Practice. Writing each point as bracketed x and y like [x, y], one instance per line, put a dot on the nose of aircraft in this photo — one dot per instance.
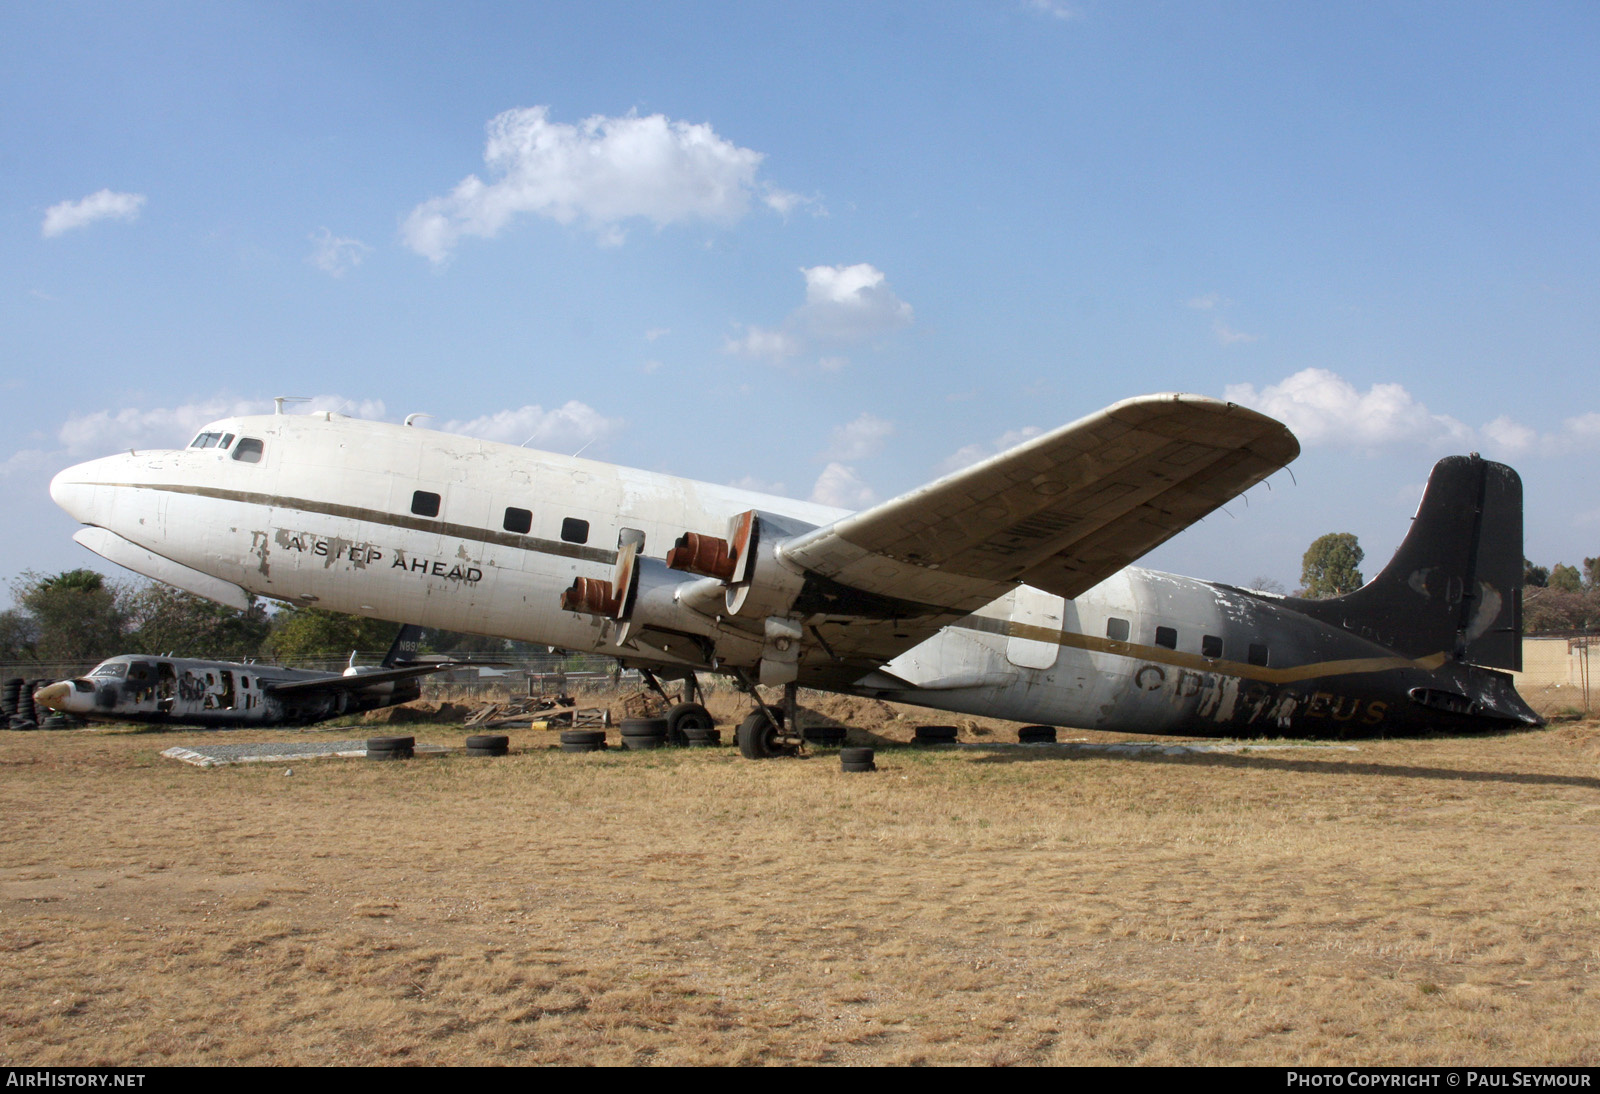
[53, 696]
[73, 490]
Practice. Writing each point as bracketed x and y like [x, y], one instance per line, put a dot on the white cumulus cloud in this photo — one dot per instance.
[844, 304]
[100, 205]
[335, 255]
[601, 172]
[967, 455]
[568, 428]
[859, 439]
[104, 431]
[840, 486]
[1322, 407]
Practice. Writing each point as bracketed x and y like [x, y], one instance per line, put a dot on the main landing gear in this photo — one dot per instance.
[685, 713]
[770, 731]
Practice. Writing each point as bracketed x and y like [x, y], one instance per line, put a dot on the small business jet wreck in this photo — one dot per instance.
[1004, 589]
[223, 695]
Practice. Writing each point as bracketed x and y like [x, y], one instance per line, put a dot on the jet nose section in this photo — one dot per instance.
[53, 696]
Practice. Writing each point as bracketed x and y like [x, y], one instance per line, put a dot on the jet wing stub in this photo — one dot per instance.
[334, 684]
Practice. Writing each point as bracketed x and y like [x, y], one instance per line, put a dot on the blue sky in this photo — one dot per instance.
[832, 250]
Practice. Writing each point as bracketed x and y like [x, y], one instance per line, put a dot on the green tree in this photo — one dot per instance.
[1535, 576]
[168, 620]
[299, 633]
[77, 615]
[1330, 566]
[1591, 573]
[1566, 578]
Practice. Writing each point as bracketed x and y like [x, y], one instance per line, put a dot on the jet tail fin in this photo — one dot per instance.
[405, 645]
[1455, 584]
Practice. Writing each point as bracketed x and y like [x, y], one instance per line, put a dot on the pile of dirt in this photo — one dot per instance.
[433, 711]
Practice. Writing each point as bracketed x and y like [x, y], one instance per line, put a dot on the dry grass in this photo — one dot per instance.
[1415, 902]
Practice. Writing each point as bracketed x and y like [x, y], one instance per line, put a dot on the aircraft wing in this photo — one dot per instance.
[333, 684]
[1060, 512]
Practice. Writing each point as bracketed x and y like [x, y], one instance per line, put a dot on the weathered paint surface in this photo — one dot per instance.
[469, 535]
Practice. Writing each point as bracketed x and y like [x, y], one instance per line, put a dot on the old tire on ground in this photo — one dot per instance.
[758, 739]
[488, 744]
[935, 735]
[642, 733]
[1033, 735]
[695, 737]
[825, 735]
[391, 748]
[583, 740]
[856, 759]
[687, 716]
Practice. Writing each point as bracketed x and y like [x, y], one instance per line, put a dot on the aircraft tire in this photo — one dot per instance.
[857, 759]
[1033, 735]
[695, 737]
[687, 716]
[758, 740]
[583, 740]
[488, 744]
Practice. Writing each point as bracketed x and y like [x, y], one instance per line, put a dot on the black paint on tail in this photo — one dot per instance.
[1455, 584]
[404, 650]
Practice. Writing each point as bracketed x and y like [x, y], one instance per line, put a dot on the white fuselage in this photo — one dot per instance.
[469, 535]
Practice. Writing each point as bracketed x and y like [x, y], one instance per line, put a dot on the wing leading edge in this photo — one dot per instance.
[1061, 512]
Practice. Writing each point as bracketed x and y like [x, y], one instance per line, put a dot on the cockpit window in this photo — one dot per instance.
[248, 450]
[227, 439]
[116, 669]
[206, 440]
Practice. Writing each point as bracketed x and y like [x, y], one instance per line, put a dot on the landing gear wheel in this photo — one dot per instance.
[684, 717]
[758, 737]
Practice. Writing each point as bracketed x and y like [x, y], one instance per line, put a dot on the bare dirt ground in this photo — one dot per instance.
[1412, 902]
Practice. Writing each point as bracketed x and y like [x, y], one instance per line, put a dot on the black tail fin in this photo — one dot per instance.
[1455, 584]
[405, 646]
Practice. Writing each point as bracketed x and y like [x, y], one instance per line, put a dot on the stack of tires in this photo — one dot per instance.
[640, 734]
[488, 744]
[583, 740]
[935, 735]
[391, 748]
[857, 759]
[8, 700]
[26, 717]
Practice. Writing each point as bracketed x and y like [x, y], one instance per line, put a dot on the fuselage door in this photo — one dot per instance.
[1034, 611]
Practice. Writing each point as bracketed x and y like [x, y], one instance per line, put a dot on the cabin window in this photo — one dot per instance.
[1258, 654]
[574, 530]
[518, 521]
[1167, 638]
[630, 535]
[424, 504]
[1117, 629]
[248, 450]
[1210, 646]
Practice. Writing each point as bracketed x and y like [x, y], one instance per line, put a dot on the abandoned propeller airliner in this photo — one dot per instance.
[1005, 588]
